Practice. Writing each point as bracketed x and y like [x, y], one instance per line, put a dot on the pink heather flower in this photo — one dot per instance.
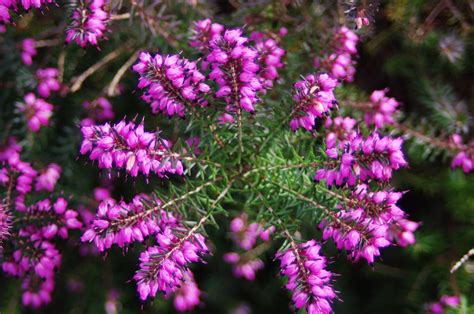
[36, 295]
[37, 112]
[269, 60]
[243, 267]
[5, 224]
[28, 50]
[47, 81]
[363, 159]
[345, 40]
[381, 109]
[234, 69]
[314, 97]
[203, 32]
[307, 277]
[46, 181]
[7, 5]
[245, 235]
[465, 157]
[121, 223]
[369, 221]
[173, 84]
[164, 267]
[446, 302]
[89, 22]
[98, 110]
[186, 298]
[128, 146]
[342, 66]
[102, 194]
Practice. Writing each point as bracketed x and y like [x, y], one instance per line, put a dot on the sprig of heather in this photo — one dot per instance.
[37, 111]
[113, 225]
[368, 221]
[314, 98]
[234, 69]
[173, 84]
[308, 279]
[127, 145]
[363, 159]
[163, 267]
[28, 51]
[88, 23]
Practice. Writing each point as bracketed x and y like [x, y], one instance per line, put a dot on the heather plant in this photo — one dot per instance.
[146, 143]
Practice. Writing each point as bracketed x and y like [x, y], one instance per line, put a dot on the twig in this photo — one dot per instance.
[112, 89]
[124, 16]
[77, 81]
[462, 261]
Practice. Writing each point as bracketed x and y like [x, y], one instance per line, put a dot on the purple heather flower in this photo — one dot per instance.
[381, 109]
[89, 23]
[37, 112]
[28, 50]
[47, 81]
[127, 145]
[314, 98]
[186, 298]
[203, 32]
[47, 179]
[235, 70]
[308, 279]
[173, 84]
[465, 157]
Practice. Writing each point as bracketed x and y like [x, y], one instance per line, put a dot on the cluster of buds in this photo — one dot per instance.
[29, 251]
[314, 98]
[88, 23]
[203, 32]
[37, 111]
[127, 145]
[173, 84]
[245, 235]
[308, 279]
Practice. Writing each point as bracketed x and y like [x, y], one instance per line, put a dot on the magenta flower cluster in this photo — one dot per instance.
[173, 84]
[234, 67]
[128, 146]
[314, 98]
[381, 109]
[6, 6]
[28, 51]
[37, 112]
[186, 297]
[444, 304]
[362, 159]
[32, 227]
[203, 32]
[270, 56]
[308, 279]
[47, 81]
[245, 235]
[368, 221]
[340, 61]
[88, 23]
[465, 154]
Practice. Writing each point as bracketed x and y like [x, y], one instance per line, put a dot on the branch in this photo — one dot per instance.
[77, 81]
[112, 89]
[462, 261]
